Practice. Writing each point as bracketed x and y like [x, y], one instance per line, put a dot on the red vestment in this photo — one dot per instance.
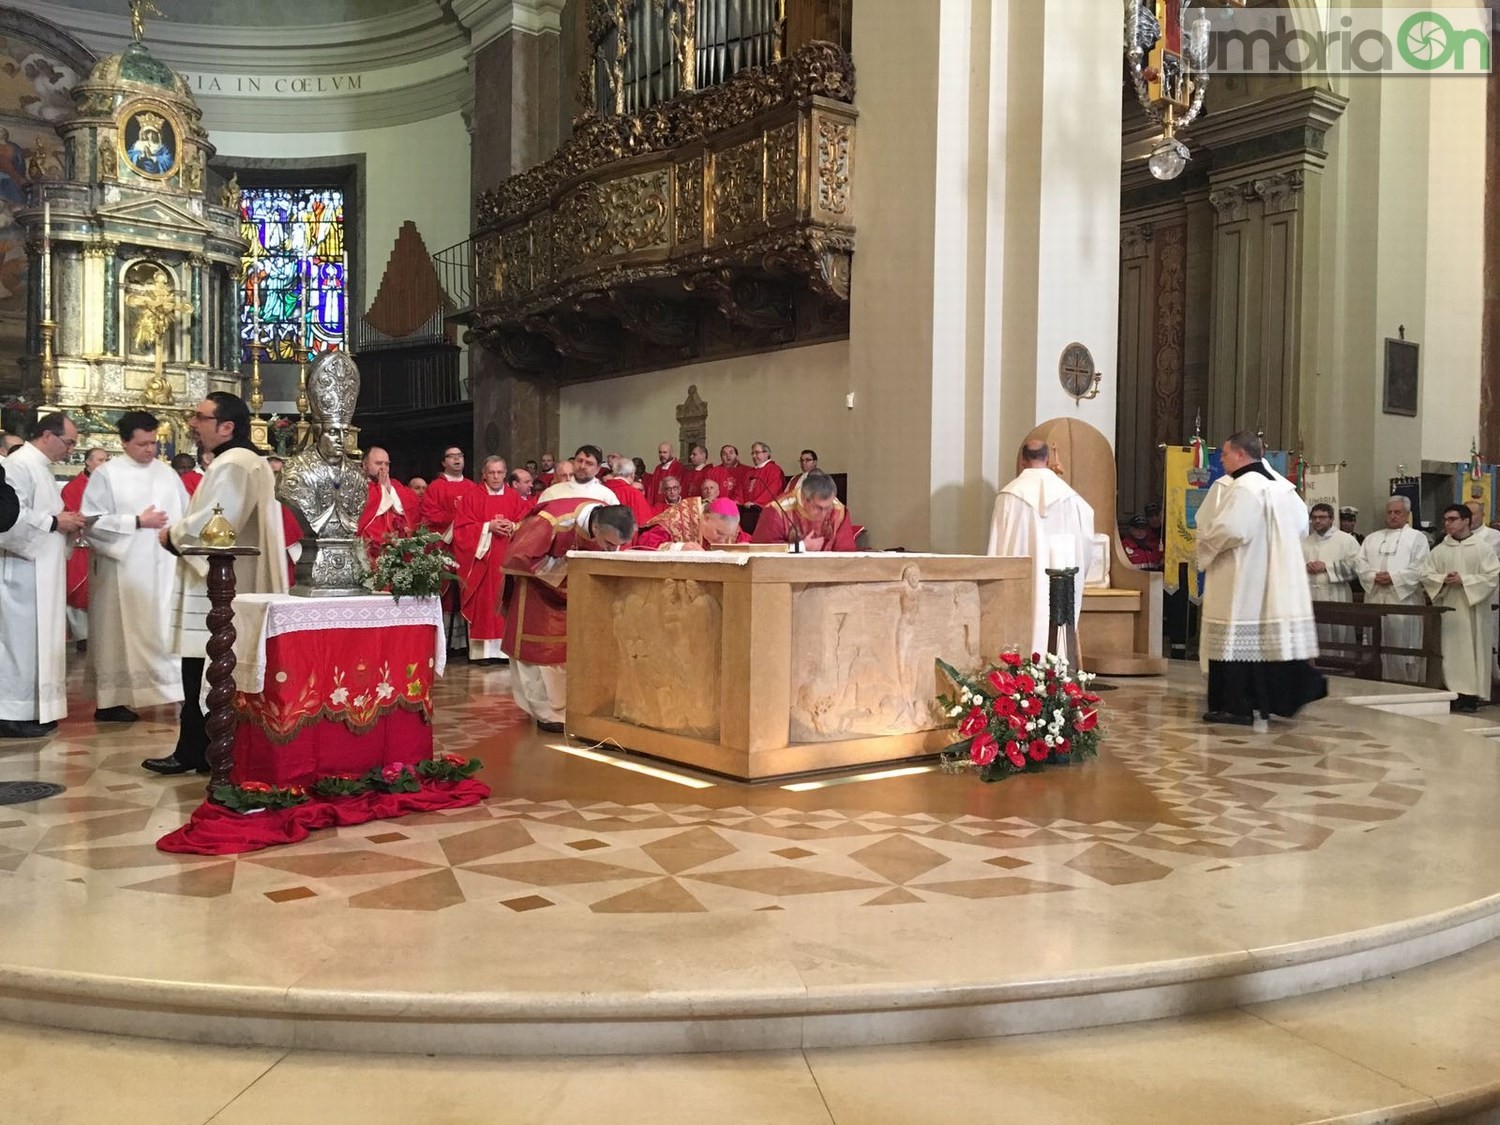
[542, 481]
[785, 521]
[191, 480]
[375, 525]
[439, 506]
[480, 553]
[632, 498]
[536, 605]
[672, 468]
[764, 484]
[692, 480]
[676, 523]
[291, 531]
[78, 561]
[731, 482]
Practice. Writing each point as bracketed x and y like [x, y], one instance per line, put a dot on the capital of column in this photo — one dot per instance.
[487, 20]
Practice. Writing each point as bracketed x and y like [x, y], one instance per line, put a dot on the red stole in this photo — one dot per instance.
[78, 561]
[483, 578]
[785, 522]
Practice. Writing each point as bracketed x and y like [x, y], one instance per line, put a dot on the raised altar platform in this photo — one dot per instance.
[761, 666]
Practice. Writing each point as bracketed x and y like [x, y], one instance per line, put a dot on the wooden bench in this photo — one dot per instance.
[1365, 652]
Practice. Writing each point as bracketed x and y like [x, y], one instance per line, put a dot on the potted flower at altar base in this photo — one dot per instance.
[418, 565]
[281, 431]
[1019, 716]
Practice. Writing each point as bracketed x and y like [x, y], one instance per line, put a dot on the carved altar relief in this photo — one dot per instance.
[862, 655]
[675, 688]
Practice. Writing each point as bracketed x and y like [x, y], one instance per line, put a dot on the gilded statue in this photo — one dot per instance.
[156, 308]
[229, 197]
[42, 161]
[139, 9]
[109, 161]
[158, 391]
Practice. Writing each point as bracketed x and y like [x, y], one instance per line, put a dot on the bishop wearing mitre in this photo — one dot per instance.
[390, 508]
[481, 536]
[1460, 575]
[131, 663]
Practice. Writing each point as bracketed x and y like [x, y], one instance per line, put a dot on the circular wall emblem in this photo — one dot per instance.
[1075, 370]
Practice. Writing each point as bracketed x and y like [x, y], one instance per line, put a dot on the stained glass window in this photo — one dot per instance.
[296, 270]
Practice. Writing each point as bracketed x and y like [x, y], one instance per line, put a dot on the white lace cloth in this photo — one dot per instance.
[259, 617]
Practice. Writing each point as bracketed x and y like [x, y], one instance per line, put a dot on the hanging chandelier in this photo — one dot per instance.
[1166, 52]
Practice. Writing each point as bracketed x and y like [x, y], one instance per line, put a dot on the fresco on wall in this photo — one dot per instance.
[35, 93]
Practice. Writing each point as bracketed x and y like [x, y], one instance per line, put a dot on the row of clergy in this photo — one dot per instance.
[1396, 566]
[761, 482]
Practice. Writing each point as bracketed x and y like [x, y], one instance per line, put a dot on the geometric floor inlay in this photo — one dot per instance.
[561, 833]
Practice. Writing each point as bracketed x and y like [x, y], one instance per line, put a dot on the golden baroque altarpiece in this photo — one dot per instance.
[715, 223]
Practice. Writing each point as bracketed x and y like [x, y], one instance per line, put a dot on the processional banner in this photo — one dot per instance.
[1470, 486]
[1320, 485]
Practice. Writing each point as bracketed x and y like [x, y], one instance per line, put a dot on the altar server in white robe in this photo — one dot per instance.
[1258, 635]
[131, 663]
[1331, 557]
[1390, 570]
[1461, 574]
[241, 482]
[1039, 516]
[33, 561]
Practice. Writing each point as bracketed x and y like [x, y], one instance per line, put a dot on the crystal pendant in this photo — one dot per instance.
[1168, 159]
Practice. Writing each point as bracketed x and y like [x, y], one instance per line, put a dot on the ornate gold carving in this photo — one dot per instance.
[816, 70]
[738, 186]
[687, 203]
[489, 270]
[781, 170]
[834, 139]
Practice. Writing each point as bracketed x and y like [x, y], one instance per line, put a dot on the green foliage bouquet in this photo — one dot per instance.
[418, 565]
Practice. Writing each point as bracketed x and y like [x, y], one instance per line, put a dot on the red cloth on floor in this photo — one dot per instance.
[215, 830]
[329, 747]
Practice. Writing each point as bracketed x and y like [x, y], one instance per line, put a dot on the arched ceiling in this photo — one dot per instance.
[262, 14]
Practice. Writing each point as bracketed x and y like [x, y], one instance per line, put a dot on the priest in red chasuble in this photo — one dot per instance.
[812, 517]
[481, 536]
[730, 474]
[390, 507]
[623, 484]
[695, 472]
[677, 522]
[78, 561]
[536, 605]
[764, 480]
[720, 524]
[438, 507]
[667, 465]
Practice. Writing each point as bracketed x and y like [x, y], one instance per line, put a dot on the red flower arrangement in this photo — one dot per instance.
[1019, 715]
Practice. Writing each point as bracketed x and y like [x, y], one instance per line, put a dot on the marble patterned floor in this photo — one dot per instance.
[1168, 796]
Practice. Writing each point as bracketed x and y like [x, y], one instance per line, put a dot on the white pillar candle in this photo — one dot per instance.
[47, 261]
[1063, 552]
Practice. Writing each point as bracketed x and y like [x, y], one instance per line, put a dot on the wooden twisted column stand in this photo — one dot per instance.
[220, 720]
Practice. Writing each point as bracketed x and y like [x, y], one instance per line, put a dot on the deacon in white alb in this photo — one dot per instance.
[33, 557]
[1390, 570]
[1461, 574]
[131, 663]
[1258, 636]
[1039, 516]
[1331, 557]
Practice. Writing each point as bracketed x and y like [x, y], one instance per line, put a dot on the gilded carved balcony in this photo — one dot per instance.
[713, 224]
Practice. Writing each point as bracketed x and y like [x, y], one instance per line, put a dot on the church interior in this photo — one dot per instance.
[743, 872]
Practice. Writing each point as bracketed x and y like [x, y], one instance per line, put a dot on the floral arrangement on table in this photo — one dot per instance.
[1020, 715]
[281, 431]
[418, 565]
[397, 777]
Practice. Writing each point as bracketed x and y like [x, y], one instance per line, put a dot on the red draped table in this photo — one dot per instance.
[328, 688]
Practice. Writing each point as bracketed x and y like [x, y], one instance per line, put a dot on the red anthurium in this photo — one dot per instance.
[1063, 746]
[1086, 721]
[1013, 752]
[1011, 658]
[983, 749]
[973, 723]
[1016, 723]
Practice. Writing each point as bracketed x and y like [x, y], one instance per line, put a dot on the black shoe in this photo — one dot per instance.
[25, 729]
[115, 715]
[170, 765]
[550, 728]
[1229, 718]
[81, 646]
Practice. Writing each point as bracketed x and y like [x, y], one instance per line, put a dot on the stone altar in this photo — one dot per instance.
[763, 666]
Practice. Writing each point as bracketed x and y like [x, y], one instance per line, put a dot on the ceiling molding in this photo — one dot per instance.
[422, 31]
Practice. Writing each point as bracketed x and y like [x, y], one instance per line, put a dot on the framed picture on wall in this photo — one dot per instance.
[1401, 377]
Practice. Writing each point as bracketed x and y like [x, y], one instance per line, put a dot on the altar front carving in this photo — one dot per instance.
[769, 665]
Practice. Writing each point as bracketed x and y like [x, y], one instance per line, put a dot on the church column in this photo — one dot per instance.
[95, 263]
[988, 224]
[515, 61]
[111, 298]
[68, 298]
[1489, 384]
[198, 268]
